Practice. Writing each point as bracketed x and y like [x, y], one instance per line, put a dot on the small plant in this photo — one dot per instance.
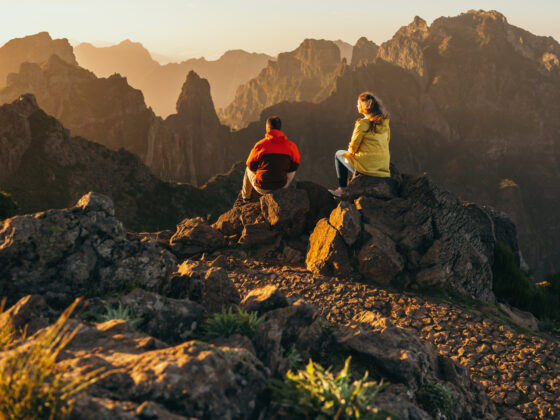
[294, 358]
[31, 385]
[7, 330]
[121, 312]
[315, 393]
[436, 399]
[231, 322]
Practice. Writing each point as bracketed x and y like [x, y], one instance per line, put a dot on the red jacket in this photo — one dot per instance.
[271, 159]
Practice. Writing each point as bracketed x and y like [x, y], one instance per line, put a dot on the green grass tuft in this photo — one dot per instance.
[120, 312]
[316, 393]
[231, 322]
[31, 385]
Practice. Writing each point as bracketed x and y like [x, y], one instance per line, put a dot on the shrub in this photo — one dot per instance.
[8, 206]
[294, 358]
[31, 385]
[121, 312]
[231, 322]
[437, 399]
[515, 287]
[315, 393]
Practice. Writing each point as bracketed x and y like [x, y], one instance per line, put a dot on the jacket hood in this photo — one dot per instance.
[275, 135]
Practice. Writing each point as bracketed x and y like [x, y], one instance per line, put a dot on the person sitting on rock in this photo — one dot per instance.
[368, 151]
[272, 163]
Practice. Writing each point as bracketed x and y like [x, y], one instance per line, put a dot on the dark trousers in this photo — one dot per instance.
[343, 168]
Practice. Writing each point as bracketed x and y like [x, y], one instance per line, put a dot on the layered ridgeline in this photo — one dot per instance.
[110, 112]
[472, 101]
[43, 167]
[161, 83]
[33, 49]
[305, 74]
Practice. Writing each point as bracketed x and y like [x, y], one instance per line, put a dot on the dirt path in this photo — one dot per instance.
[520, 371]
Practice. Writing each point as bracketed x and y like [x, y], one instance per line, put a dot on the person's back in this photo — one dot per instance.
[369, 148]
[272, 163]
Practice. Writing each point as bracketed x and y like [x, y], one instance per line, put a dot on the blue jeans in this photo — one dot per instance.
[343, 168]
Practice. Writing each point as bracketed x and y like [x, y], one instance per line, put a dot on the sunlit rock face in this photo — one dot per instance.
[305, 74]
[32, 49]
[473, 101]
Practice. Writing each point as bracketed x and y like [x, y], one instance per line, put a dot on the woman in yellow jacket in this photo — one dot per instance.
[368, 151]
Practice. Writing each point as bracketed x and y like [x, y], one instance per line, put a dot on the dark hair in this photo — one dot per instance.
[274, 122]
[374, 108]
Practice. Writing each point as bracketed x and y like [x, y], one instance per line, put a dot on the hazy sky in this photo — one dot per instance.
[193, 28]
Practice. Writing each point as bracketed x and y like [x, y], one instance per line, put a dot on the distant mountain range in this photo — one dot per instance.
[161, 83]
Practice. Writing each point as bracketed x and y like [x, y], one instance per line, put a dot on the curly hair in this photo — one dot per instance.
[374, 108]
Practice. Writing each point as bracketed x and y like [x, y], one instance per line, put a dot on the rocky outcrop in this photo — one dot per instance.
[421, 236]
[364, 52]
[452, 90]
[63, 254]
[190, 146]
[32, 49]
[43, 167]
[305, 74]
[204, 141]
[160, 83]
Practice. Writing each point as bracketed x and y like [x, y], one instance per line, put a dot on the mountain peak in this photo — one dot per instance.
[195, 97]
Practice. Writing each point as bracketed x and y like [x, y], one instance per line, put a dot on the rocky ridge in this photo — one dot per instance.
[305, 74]
[490, 367]
[43, 167]
[32, 49]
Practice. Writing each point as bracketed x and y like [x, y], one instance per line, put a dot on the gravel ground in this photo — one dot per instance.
[520, 370]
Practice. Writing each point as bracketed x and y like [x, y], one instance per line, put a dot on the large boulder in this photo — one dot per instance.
[209, 286]
[83, 250]
[379, 260]
[328, 254]
[297, 327]
[192, 380]
[264, 299]
[348, 221]
[195, 236]
[286, 210]
[170, 320]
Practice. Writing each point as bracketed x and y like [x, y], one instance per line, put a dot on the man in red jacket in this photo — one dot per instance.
[272, 163]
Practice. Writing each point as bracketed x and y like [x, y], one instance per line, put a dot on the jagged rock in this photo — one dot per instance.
[32, 49]
[43, 167]
[368, 186]
[167, 319]
[232, 221]
[193, 379]
[257, 234]
[236, 341]
[162, 238]
[297, 326]
[209, 286]
[286, 210]
[83, 250]
[307, 72]
[29, 314]
[195, 236]
[364, 52]
[264, 299]
[379, 260]
[347, 220]
[395, 352]
[328, 254]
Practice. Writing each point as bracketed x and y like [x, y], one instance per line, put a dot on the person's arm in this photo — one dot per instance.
[357, 137]
[295, 158]
[253, 159]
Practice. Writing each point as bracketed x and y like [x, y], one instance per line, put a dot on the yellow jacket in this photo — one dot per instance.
[369, 149]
